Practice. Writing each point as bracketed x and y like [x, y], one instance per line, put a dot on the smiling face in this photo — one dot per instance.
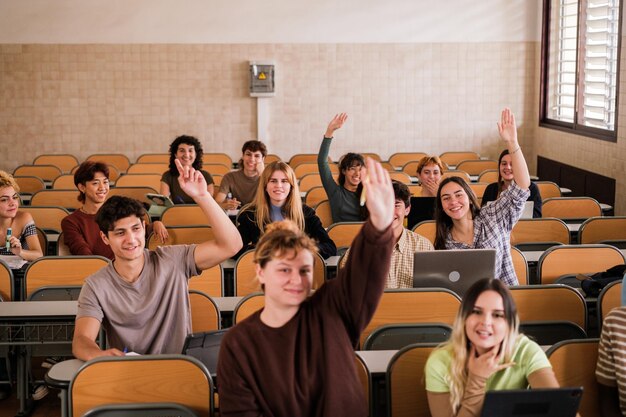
[186, 154]
[250, 160]
[96, 190]
[506, 168]
[486, 325]
[127, 239]
[287, 279]
[278, 188]
[400, 211]
[454, 201]
[353, 176]
[9, 202]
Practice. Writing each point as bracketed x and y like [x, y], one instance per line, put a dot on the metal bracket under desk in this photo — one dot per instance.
[27, 324]
[36, 333]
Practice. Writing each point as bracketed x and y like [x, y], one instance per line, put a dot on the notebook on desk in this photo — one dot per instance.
[552, 402]
[456, 269]
[527, 212]
[422, 208]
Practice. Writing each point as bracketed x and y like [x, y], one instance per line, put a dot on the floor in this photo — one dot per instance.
[50, 406]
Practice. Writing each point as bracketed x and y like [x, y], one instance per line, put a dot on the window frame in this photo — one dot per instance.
[574, 127]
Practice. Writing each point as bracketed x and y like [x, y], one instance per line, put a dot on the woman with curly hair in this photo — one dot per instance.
[188, 150]
[22, 241]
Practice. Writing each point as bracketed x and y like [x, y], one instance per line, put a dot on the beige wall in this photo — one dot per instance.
[85, 99]
[418, 75]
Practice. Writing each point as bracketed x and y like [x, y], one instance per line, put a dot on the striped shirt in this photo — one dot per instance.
[492, 230]
[611, 366]
[401, 269]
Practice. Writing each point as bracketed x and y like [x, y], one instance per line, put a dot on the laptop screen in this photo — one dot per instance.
[456, 270]
[550, 402]
[422, 208]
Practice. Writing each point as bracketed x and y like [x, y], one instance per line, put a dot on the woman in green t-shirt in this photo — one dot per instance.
[485, 352]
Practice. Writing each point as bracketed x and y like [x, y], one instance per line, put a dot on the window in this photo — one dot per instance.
[580, 55]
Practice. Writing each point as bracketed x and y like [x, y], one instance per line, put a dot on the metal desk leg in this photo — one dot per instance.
[26, 404]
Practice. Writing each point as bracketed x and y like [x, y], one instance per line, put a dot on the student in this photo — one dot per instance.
[238, 187]
[429, 170]
[295, 357]
[278, 198]
[505, 178]
[81, 233]
[484, 353]
[188, 150]
[407, 242]
[23, 240]
[461, 224]
[611, 366]
[141, 297]
[343, 197]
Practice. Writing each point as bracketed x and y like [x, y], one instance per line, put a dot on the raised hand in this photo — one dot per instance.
[379, 194]
[486, 364]
[191, 181]
[507, 128]
[335, 124]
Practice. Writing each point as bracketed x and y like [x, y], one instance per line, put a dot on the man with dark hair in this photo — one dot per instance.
[407, 242]
[141, 297]
[239, 187]
[80, 231]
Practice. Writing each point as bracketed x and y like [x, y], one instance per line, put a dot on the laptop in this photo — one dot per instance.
[552, 402]
[422, 208]
[455, 269]
[527, 211]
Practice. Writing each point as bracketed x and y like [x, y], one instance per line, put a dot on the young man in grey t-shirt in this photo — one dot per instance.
[141, 298]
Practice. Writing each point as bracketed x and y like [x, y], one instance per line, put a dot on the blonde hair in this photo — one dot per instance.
[428, 160]
[459, 346]
[7, 180]
[292, 209]
[280, 238]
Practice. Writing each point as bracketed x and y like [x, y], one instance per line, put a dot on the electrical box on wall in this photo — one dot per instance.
[262, 79]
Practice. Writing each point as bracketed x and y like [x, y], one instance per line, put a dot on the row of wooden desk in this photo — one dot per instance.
[28, 323]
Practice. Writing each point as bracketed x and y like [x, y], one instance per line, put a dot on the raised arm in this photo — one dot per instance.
[508, 132]
[322, 157]
[359, 285]
[227, 240]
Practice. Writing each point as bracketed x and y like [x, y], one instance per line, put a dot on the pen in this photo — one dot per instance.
[125, 350]
[8, 242]
[363, 194]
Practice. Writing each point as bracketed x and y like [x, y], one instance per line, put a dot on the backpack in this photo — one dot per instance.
[593, 284]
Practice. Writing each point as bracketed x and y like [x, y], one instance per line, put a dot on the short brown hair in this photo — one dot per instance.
[428, 160]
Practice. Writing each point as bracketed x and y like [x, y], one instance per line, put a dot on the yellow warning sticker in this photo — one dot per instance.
[262, 76]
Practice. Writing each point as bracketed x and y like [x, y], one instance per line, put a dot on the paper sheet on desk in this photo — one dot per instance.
[13, 261]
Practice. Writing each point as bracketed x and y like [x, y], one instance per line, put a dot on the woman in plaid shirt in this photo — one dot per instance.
[462, 224]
